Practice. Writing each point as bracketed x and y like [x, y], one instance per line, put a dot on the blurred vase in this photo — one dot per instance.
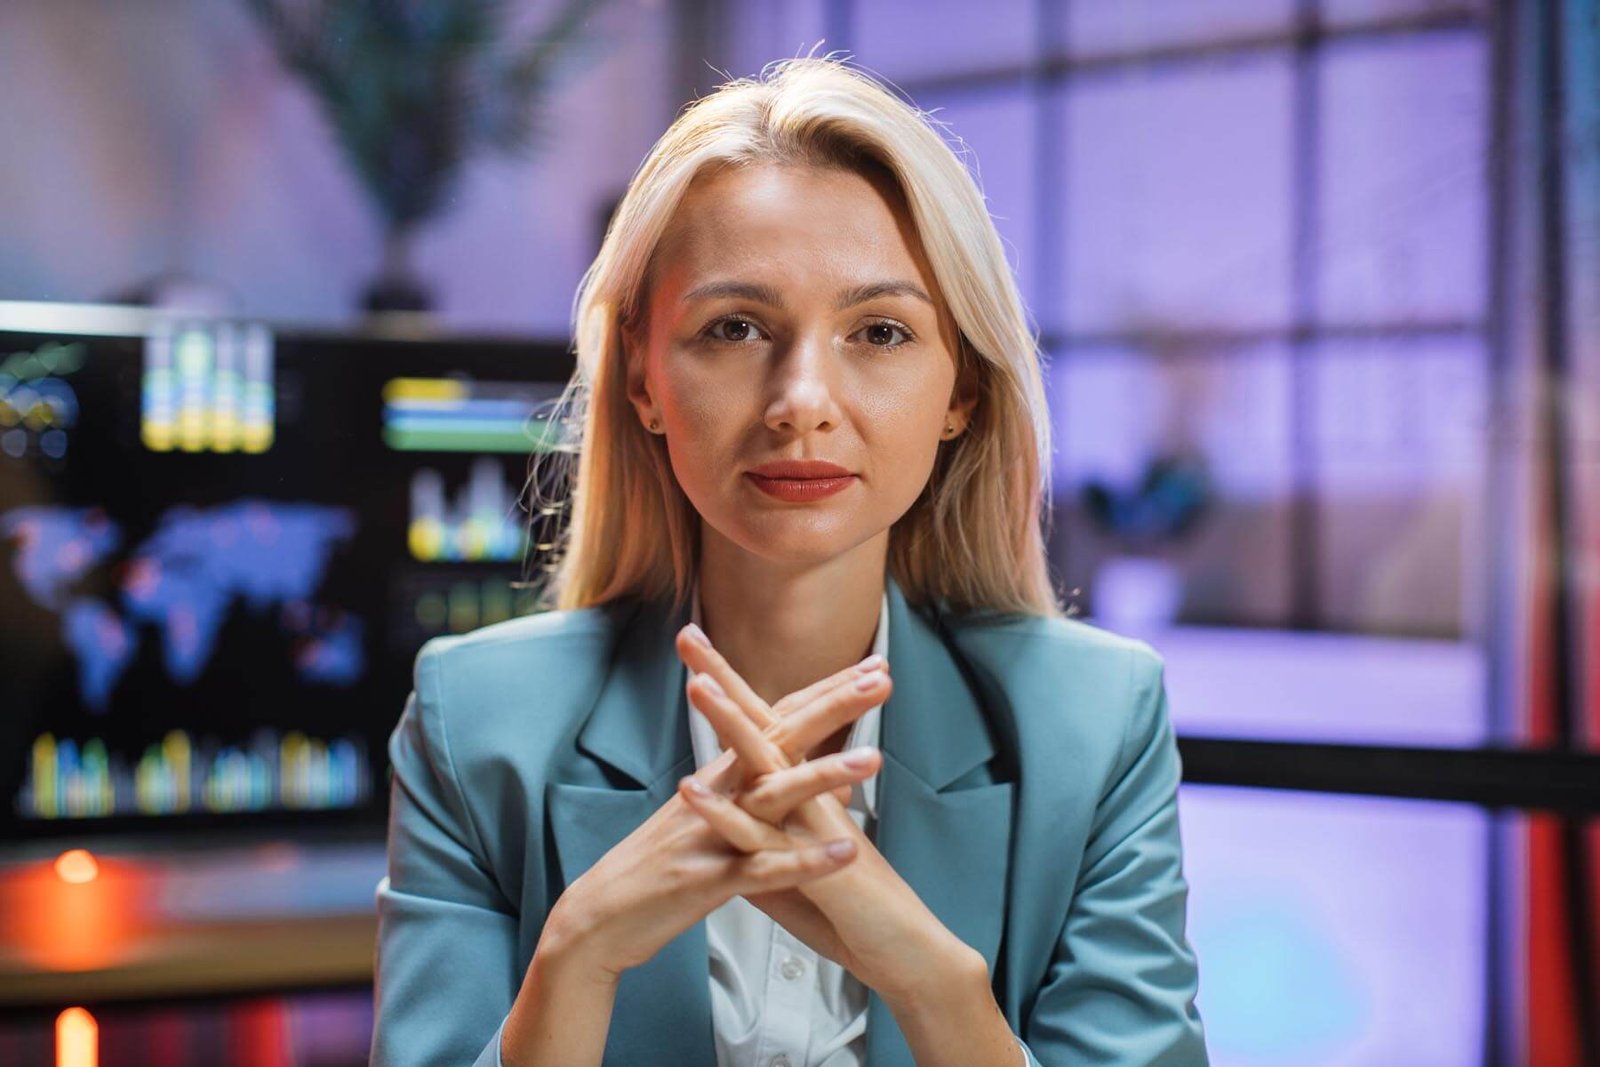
[1137, 593]
[397, 287]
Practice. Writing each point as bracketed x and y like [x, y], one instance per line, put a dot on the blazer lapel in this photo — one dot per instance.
[952, 848]
[639, 727]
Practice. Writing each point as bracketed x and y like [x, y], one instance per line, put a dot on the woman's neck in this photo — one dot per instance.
[784, 628]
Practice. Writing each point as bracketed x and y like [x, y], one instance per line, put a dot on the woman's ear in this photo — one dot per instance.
[637, 381]
[964, 397]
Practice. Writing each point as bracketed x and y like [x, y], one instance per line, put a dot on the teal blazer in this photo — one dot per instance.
[1028, 794]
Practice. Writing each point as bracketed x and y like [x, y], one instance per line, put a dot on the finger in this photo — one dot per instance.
[758, 754]
[801, 697]
[774, 796]
[725, 773]
[738, 827]
[703, 659]
[778, 869]
[801, 730]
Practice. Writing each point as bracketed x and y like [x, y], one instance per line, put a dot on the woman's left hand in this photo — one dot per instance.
[863, 917]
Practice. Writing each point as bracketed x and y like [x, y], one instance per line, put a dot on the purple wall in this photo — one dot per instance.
[163, 136]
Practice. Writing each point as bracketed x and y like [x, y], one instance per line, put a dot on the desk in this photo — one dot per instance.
[238, 920]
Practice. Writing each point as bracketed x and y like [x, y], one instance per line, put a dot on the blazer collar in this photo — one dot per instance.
[931, 723]
[640, 724]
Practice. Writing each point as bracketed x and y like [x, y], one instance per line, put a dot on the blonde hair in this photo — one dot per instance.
[974, 538]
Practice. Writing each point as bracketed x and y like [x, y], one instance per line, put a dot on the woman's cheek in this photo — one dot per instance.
[707, 405]
[913, 464]
[705, 470]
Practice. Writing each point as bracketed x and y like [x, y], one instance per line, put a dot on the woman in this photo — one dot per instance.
[813, 424]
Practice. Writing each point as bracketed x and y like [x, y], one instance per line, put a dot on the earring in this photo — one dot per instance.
[949, 429]
[654, 425]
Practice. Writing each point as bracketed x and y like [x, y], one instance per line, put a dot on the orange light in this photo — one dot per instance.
[61, 926]
[77, 1039]
[77, 866]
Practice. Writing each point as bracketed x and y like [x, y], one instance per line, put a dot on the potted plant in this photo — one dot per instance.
[1139, 589]
[414, 89]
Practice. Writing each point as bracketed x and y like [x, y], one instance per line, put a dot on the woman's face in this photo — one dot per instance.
[793, 316]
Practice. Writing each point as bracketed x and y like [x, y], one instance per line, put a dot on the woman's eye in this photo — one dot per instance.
[881, 334]
[733, 330]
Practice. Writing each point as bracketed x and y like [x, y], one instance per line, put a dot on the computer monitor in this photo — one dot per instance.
[222, 543]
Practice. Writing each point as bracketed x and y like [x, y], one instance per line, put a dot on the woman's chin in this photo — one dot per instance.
[797, 543]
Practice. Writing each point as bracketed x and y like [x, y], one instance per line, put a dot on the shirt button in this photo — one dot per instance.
[780, 1060]
[793, 968]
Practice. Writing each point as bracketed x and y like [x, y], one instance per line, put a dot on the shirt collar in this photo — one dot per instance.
[865, 731]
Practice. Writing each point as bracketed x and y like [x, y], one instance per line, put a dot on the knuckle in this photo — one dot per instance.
[830, 771]
[830, 777]
[775, 865]
[762, 789]
[751, 870]
[848, 700]
[677, 874]
[761, 810]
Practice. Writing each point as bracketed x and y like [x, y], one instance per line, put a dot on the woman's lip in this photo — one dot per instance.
[799, 490]
[801, 469]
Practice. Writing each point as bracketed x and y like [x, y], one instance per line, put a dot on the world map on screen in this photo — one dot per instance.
[196, 567]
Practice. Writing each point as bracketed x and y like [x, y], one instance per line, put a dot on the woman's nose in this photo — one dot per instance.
[803, 388]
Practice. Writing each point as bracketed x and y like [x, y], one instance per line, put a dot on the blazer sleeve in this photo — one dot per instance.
[446, 952]
[1121, 985]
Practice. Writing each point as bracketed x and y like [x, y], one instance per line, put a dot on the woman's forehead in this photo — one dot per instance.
[807, 223]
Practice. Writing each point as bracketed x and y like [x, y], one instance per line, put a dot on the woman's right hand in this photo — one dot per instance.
[675, 868]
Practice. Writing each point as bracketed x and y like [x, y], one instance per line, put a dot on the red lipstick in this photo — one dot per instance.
[800, 481]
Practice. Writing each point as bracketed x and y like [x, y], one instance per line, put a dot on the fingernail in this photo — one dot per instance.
[871, 663]
[711, 684]
[698, 636]
[858, 757]
[841, 848]
[696, 786]
[869, 681]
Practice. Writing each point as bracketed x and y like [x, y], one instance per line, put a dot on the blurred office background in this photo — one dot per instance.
[1318, 287]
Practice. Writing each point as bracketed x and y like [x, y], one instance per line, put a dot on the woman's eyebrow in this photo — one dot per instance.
[862, 293]
[765, 294]
[770, 296]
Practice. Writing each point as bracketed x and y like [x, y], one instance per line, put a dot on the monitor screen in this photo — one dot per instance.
[221, 545]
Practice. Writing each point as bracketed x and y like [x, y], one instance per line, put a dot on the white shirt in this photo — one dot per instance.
[775, 1002]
